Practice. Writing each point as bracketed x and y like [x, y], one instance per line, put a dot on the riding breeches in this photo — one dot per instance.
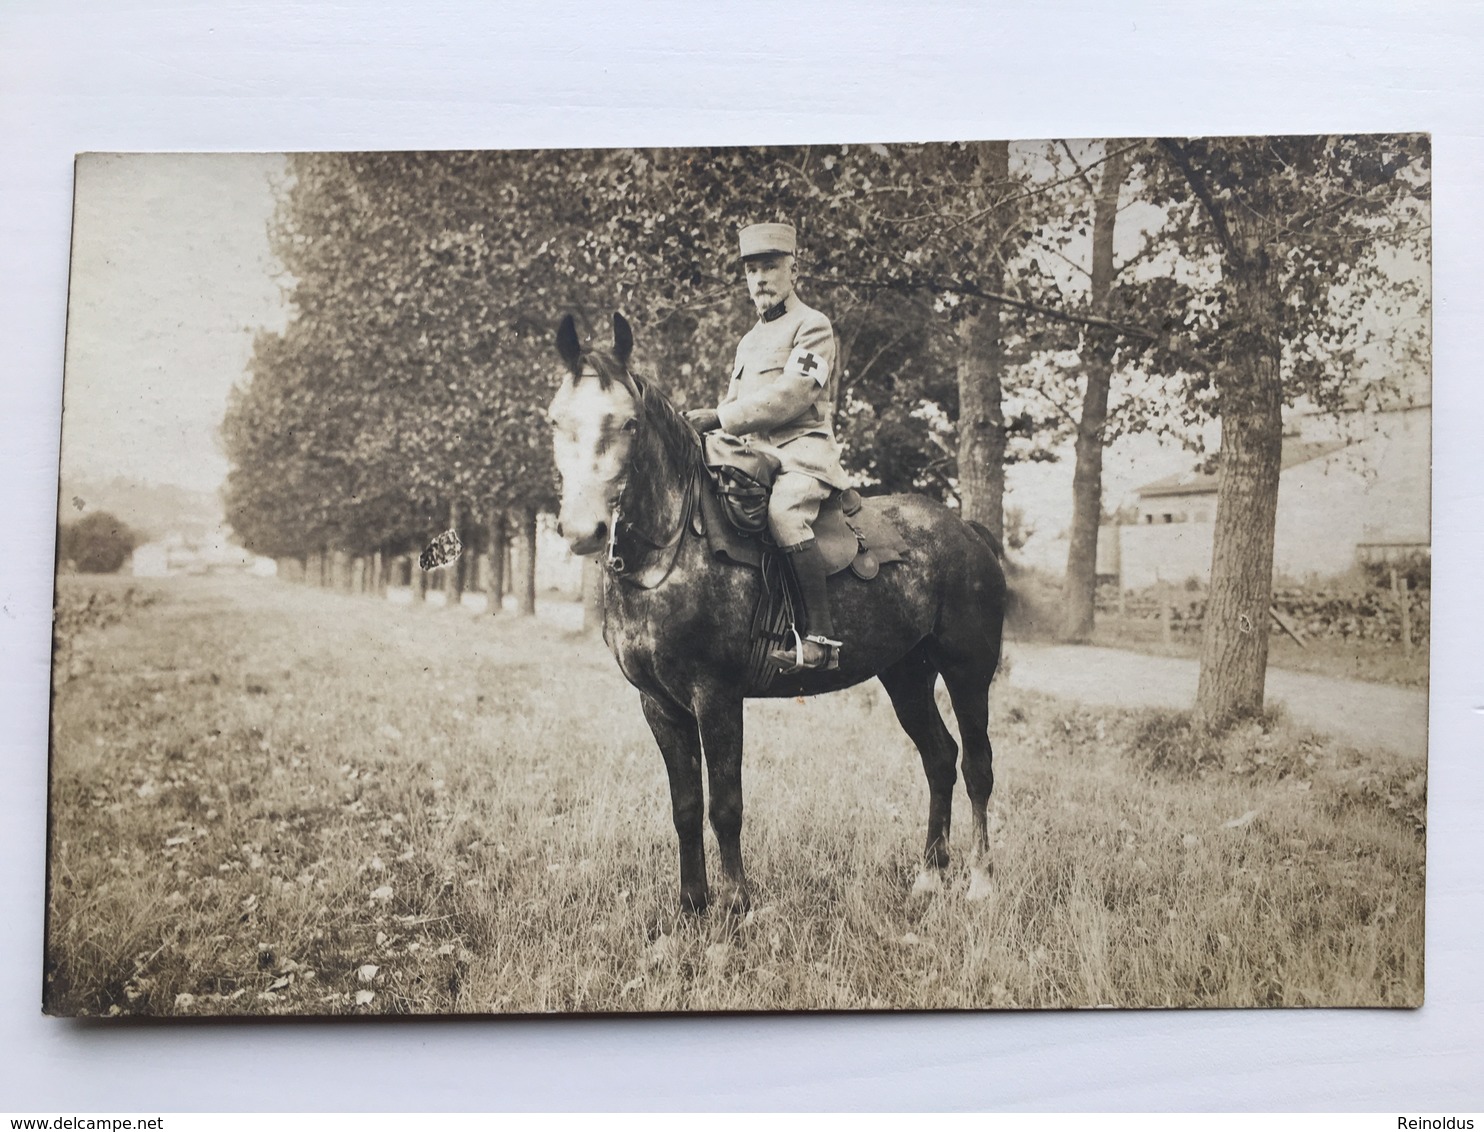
[793, 507]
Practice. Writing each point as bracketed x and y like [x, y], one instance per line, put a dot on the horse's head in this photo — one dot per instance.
[594, 417]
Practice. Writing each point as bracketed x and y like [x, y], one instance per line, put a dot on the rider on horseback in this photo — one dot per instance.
[781, 397]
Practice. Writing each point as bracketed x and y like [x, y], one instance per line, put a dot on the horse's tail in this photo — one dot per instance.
[989, 536]
[1018, 613]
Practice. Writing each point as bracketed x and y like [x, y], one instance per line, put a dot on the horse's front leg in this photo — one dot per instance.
[680, 744]
[719, 713]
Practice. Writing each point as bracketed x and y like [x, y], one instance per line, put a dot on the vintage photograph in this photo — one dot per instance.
[451, 543]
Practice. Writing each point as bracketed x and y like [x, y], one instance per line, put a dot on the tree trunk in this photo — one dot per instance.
[417, 578]
[1079, 593]
[981, 420]
[455, 569]
[1234, 644]
[526, 575]
[495, 582]
[981, 364]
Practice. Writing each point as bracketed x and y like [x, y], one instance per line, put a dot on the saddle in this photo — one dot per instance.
[732, 516]
[849, 531]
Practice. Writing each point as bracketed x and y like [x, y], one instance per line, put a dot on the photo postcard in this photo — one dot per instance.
[1034, 535]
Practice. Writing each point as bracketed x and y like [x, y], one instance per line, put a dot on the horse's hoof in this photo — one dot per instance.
[979, 884]
[736, 901]
[928, 882]
[693, 902]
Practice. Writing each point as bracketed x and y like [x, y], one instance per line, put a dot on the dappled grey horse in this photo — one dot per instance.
[679, 621]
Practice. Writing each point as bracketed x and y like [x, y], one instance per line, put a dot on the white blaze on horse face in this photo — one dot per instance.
[592, 433]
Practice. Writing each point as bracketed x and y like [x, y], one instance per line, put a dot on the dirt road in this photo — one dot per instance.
[1366, 715]
[1363, 714]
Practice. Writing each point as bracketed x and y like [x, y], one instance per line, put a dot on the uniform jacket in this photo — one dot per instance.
[782, 391]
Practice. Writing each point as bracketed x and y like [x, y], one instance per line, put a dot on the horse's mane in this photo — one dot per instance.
[671, 440]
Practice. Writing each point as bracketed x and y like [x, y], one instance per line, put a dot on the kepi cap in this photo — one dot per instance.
[767, 239]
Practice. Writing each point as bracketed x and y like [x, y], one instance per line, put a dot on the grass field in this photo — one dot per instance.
[268, 799]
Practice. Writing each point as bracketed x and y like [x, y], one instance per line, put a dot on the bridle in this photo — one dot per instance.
[644, 577]
[648, 575]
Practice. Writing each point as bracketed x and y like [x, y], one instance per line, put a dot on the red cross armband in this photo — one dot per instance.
[810, 364]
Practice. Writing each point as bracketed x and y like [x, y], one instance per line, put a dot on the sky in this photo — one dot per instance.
[171, 277]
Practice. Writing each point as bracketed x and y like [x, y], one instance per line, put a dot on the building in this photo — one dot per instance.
[1355, 486]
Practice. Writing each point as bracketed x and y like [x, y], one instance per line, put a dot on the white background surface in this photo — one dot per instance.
[167, 75]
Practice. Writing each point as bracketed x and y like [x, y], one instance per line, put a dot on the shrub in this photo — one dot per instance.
[1174, 745]
[96, 544]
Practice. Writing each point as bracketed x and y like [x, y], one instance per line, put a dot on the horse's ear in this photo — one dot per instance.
[568, 346]
[623, 338]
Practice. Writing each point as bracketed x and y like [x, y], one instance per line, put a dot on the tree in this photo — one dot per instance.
[1298, 237]
[409, 383]
[981, 361]
[1080, 588]
[98, 543]
[900, 245]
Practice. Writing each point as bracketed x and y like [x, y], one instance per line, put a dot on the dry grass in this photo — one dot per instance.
[273, 800]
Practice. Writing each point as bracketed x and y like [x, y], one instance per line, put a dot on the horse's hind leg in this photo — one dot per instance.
[910, 684]
[968, 688]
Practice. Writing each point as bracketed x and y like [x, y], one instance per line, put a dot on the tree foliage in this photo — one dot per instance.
[1337, 221]
[414, 371]
[410, 383]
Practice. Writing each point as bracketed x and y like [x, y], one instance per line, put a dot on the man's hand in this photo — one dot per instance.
[703, 420]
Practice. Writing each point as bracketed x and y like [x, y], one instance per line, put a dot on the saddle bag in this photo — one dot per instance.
[743, 477]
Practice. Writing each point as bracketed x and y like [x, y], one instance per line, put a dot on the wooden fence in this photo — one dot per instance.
[1397, 614]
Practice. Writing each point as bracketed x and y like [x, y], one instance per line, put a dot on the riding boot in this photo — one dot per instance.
[815, 647]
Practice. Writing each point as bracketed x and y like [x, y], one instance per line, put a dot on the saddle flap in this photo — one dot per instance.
[846, 541]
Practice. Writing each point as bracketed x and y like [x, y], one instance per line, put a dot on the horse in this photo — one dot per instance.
[679, 622]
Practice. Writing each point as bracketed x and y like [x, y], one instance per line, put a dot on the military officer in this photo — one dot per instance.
[781, 397]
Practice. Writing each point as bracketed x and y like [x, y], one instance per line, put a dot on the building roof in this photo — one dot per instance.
[1295, 451]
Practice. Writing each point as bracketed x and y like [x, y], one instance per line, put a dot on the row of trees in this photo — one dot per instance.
[991, 303]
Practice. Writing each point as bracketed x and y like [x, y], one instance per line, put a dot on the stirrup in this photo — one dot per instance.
[789, 663]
